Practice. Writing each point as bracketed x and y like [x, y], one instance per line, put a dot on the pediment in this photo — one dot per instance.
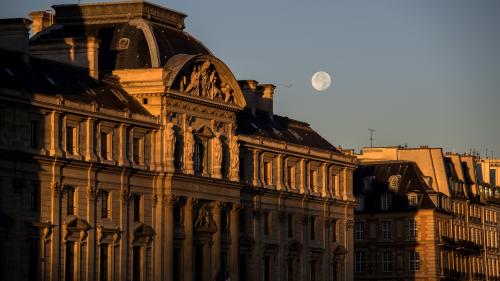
[204, 77]
[204, 131]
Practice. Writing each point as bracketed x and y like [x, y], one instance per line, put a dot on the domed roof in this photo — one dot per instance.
[131, 34]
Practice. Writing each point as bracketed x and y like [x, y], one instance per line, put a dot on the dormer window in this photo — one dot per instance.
[386, 202]
[412, 200]
[394, 182]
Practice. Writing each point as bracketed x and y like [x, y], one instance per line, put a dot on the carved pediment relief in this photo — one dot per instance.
[201, 79]
[204, 221]
[205, 132]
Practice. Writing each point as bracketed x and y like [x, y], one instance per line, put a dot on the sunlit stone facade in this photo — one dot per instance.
[130, 152]
[453, 213]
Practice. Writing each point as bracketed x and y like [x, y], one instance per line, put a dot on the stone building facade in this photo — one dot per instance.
[130, 152]
[454, 215]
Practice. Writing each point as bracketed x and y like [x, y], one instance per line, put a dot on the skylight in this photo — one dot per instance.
[297, 136]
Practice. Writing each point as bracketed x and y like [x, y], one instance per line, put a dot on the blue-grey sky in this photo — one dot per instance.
[420, 72]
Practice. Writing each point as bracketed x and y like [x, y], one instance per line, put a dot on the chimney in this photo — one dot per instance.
[41, 20]
[259, 96]
[14, 34]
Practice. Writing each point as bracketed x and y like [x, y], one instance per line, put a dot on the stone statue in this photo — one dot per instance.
[226, 92]
[235, 154]
[213, 91]
[170, 141]
[217, 144]
[205, 79]
[194, 82]
[189, 144]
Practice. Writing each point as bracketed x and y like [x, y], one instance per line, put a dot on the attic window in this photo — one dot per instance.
[297, 136]
[9, 71]
[412, 200]
[394, 181]
[123, 43]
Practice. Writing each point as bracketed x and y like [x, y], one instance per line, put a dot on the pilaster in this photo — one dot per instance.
[188, 239]
[235, 248]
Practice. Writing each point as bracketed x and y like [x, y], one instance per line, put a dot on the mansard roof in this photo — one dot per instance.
[379, 174]
[279, 128]
[38, 76]
[132, 35]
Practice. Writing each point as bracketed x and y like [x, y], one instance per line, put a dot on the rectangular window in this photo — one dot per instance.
[387, 261]
[290, 175]
[105, 145]
[268, 173]
[359, 230]
[70, 139]
[412, 229]
[290, 225]
[104, 204]
[386, 202]
[103, 262]
[35, 197]
[266, 223]
[136, 150]
[359, 261]
[414, 260]
[34, 259]
[313, 271]
[177, 264]
[70, 203]
[267, 268]
[69, 268]
[137, 207]
[136, 263]
[387, 230]
[290, 272]
[312, 226]
[312, 179]
[198, 157]
[34, 133]
[334, 231]
[412, 200]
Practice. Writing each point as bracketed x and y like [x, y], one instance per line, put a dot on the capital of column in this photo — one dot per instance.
[56, 189]
[125, 194]
[217, 206]
[169, 200]
[91, 191]
[190, 202]
[236, 207]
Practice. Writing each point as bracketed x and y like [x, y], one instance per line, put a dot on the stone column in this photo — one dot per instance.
[55, 143]
[124, 225]
[279, 172]
[216, 239]
[304, 241]
[169, 201]
[188, 239]
[282, 260]
[158, 222]
[91, 193]
[90, 140]
[123, 158]
[235, 245]
[325, 189]
[56, 244]
[256, 168]
[348, 244]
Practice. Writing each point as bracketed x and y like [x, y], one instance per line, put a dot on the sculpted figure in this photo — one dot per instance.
[170, 141]
[189, 144]
[226, 91]
[217, 150]
[205, 79]
[194, 82]
[214, 92]
[235, 153]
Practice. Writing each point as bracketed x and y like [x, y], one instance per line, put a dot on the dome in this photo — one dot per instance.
[130, 34]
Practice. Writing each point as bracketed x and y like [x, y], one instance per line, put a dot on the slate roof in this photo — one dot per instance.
[281, 129]
[170, 41]
[73, 83]
[411, 182]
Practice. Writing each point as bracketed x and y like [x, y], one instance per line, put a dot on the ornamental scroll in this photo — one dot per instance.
[203, 80]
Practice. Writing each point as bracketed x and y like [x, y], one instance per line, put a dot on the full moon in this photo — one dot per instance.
[321, 81]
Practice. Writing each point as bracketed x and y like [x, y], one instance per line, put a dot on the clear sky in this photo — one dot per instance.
[420, 72]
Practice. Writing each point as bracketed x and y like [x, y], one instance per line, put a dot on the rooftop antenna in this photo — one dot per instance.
[371, 136]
